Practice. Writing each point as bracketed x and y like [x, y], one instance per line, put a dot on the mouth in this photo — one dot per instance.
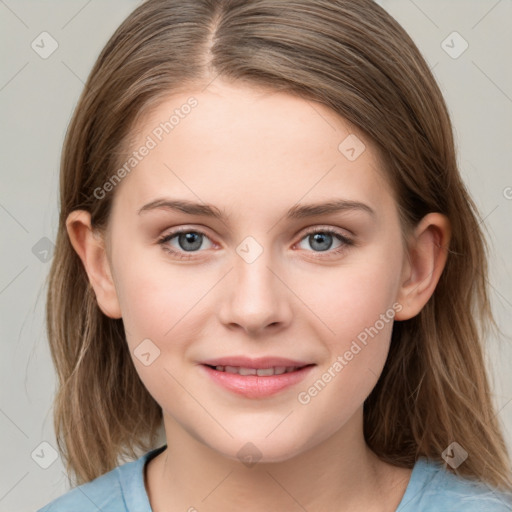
[260, 372]
[256, 382]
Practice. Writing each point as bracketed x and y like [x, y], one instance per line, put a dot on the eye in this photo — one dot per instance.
[321, 239]
[188, 240]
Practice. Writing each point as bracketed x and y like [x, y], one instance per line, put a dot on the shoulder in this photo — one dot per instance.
[102, 493]
[119, 490]
[433, 488]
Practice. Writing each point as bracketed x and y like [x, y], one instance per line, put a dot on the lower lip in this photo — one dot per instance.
[254, 386]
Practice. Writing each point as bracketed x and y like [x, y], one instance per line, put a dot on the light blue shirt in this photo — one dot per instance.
[431, 488]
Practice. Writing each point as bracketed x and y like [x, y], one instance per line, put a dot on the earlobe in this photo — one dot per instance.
[425, 260]
[90, 247]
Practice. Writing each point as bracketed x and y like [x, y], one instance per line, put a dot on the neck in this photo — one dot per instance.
[340, 473]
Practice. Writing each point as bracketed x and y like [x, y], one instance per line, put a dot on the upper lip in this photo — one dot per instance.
[261, 362]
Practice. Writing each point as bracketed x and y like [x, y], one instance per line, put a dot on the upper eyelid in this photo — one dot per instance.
[320, 227]
[305, 232]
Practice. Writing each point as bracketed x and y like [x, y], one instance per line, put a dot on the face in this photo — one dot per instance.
[258, 282]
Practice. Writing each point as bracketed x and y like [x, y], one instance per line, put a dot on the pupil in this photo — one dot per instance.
[319, 237]
[189, 238]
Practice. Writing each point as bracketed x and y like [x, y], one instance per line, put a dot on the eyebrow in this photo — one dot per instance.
[295, 212]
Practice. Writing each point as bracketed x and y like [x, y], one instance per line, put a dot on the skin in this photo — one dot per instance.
[255, 154]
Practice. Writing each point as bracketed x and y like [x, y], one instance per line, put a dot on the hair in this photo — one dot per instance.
[353, 57]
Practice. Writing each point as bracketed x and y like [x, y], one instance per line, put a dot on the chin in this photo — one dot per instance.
[257, 449]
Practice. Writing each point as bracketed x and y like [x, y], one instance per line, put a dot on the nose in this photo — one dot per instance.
[255, 297]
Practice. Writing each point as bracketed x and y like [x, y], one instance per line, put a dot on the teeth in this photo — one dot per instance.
[247, 371]
[262, 372]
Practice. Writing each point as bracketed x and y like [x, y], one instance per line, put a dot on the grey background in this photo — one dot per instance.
[37, 97]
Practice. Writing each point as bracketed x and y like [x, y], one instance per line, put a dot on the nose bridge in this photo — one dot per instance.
[257, 297]
[252, 266]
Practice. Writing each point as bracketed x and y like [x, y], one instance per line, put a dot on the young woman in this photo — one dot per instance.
[266, 249]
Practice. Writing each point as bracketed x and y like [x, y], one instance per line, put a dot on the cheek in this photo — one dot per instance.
[156, 297]
[349, 298]
[160, 304]
[355, 306]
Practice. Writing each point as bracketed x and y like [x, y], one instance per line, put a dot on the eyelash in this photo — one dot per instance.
[347, 242]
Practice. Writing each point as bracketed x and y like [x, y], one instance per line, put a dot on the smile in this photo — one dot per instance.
[261, 372]
[256, 382]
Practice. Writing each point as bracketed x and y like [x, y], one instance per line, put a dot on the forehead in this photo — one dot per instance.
[243, 148]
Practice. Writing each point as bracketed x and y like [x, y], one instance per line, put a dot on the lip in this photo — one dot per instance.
[255, 386]
[258, 363]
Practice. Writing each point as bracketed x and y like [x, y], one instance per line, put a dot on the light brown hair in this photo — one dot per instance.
[352, 56]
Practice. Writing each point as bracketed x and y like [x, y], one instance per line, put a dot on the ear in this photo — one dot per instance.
[425, 259]
[90, 247]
